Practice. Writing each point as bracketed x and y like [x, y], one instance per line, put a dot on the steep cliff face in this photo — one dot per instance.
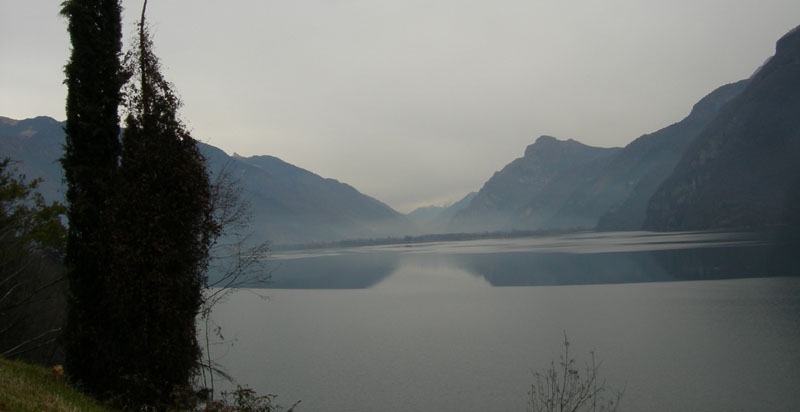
[623, 189]
[743, 169]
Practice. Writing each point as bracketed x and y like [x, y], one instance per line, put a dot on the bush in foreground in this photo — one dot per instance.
[563, 388]
[244, 399]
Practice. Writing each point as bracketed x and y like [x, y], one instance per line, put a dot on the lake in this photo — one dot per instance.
[460, 326]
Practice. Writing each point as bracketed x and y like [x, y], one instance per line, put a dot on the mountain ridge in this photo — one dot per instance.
[650, 159]
[289, 204]
[730, 163]
[510, 189]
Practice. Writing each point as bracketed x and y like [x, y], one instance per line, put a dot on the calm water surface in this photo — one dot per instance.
[460, 326]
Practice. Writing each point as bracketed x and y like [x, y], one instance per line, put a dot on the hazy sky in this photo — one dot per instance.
[415, 102]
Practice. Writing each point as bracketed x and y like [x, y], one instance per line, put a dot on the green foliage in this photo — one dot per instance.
[26, 220]
[564, 387]
[31, 237]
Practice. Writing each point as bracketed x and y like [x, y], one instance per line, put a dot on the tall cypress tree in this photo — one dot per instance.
[165, 226]
[94, 77]
[141, 218]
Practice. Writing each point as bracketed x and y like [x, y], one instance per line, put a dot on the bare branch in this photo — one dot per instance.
[563, 389]
[13, 351]
[235, 260]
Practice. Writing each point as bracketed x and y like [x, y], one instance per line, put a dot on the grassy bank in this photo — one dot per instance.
[25, 387]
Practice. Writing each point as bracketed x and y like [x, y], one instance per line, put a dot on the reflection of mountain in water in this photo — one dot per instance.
[589, 258]
[538, 269]
[726, 263]
[347, 271]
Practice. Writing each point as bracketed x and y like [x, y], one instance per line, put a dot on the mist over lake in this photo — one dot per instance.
[462, 325]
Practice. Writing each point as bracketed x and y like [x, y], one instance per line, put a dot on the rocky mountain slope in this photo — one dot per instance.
[623, 189]
[505, 196]
[743, 170]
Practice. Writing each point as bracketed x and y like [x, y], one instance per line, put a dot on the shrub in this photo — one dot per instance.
[562, 388]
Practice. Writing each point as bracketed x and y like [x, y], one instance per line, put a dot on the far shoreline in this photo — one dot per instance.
[770, 233]
[429, 238]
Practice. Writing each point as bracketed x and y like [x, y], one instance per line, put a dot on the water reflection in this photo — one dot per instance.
[424, 321]
[539, 269]
[344, 271]
[590, 258]
[542, 269]
[432, 273]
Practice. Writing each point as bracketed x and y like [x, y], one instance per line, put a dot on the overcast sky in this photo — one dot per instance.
[415, 102]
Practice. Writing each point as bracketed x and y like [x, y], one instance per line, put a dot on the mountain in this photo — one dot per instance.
[731, 163]
[565, 184]
[611, 193]
[289, 204]
[506, 196]
[434, 219]
[36, 145]
[743, 170]
[294, 205]
[557, 205]
[618, 197]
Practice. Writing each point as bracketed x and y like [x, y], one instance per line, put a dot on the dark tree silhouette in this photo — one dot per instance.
[141, 218]
[94, 77]
[163, 229]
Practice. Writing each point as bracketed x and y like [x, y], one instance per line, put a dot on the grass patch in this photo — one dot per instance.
[32, 388]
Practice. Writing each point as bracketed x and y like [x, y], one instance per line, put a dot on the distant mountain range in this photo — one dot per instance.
[733, 162]
[293, 205]
[434, 219]
[289, 204]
